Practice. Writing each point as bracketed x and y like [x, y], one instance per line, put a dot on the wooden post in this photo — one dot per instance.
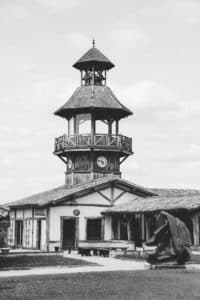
[68, 126]
[110, 127]
[92, 125]
[195, 221]
[81, 77]
[118, 228]
[75, 126]
[142, 225]
[112, 193]
[117, 127]
[129, 228]
[47, 228]
[146, 219]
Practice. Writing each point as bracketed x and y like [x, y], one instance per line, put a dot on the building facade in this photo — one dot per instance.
[95, 205]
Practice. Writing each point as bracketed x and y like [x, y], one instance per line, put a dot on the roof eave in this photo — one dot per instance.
[68, 112]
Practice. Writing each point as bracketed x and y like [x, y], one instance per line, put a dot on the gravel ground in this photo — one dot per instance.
[137, 285]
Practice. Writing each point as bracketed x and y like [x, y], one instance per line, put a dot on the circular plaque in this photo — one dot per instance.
[76, 212]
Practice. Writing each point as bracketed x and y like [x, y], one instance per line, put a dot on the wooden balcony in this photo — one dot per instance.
[66, 143]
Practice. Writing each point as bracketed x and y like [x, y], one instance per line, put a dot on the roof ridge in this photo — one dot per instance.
[61, 193]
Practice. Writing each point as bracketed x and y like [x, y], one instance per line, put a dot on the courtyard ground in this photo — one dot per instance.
[30, 261]
[137, 285]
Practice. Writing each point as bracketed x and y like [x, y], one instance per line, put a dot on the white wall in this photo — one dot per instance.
[28, 213]
[57, 212]
[19, 213]
[12, 214]
[94, 198]
[108, 228]
[126, 198]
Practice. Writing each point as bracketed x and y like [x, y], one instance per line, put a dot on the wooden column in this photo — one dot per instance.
[92, 125]
[75, 125]
[112, 193]
[129, 228]
[118, 228]
[195, 221]
[81, 77]
[146, 227]
[142, 225]
[68, 129]
[47, 227]
[117, 127]
[109, 127]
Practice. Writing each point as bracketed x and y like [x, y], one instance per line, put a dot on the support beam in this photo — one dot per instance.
[65, 161]
[123, 159]
[119, 196]
[104, 196]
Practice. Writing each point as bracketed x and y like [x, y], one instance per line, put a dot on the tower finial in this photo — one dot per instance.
[93, 42]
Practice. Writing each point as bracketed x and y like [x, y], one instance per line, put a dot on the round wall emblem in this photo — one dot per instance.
[76, 212]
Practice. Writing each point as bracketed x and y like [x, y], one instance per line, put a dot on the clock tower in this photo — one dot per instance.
[92, 146]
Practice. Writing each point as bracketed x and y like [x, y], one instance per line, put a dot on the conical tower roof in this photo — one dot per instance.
[99, 99]
[93, 58]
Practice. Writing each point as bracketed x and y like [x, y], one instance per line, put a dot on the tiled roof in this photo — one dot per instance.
[188, 201]
[174, 192]
[100, 98]
[59, 194]
[91, 57]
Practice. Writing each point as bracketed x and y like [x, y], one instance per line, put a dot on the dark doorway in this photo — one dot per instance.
[137, 230]
[18, 233]
[69, 233]
[94, 229]
[38, 236]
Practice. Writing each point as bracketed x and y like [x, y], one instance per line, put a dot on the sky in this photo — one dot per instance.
[155, 46]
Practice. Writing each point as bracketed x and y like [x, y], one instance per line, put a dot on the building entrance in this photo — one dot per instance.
[69, 233]
[38, 236]
[18, 233]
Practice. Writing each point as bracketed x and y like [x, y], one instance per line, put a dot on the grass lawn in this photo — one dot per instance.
[27, 261]
[137, 285]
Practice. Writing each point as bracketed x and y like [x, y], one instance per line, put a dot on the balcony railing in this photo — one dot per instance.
[97, 141]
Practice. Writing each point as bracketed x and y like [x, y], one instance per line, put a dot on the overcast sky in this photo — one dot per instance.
[155, 46]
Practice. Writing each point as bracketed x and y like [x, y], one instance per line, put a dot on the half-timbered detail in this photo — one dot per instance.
[95, 209]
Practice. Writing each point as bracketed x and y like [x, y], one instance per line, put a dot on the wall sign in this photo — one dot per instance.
[76, 212]
[39, 212]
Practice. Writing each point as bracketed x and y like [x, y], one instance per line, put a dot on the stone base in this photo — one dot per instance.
[167, 267]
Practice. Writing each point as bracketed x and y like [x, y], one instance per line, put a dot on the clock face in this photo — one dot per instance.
[102, 161]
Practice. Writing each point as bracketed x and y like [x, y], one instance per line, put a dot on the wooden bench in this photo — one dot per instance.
[84, 251]
[96, 251]
[4, 250]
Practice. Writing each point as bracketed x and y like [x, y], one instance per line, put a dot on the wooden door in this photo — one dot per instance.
[18, 233]
[69, 233]
[38, 236]
[137, 232]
